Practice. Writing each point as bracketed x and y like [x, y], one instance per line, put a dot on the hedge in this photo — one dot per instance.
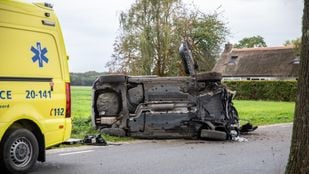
[264, 90]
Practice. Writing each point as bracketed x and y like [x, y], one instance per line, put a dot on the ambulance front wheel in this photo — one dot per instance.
[19, 151]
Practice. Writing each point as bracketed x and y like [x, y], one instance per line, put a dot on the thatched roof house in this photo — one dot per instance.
[268, 63]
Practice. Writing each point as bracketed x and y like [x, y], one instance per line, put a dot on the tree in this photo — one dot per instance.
[299, 152]
[251, 42]
[205, 33]
[296, 44]
[151, 32]
[84, 79]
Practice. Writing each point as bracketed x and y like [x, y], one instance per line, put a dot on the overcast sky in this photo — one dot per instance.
[90, 27]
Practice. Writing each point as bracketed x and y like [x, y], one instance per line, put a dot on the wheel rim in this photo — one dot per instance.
[21, 152]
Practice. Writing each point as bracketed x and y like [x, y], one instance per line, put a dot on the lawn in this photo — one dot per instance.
[257, 112]
[81, 101]
[265, 112]
[81, 111]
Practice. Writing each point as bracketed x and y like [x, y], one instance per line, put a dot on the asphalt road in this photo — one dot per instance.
[266, 151]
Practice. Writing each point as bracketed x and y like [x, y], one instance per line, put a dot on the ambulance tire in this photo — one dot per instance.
[19, 151]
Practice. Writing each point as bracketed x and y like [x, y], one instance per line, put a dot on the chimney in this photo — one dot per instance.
[228, 47]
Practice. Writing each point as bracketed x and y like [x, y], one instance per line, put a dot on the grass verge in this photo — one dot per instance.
[265, 112]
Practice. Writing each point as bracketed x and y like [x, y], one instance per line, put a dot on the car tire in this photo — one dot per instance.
[118, 132]
[19, 151]
[213, 134]
[234, 114]
[112, 78]
[108, 103]
[209, 76]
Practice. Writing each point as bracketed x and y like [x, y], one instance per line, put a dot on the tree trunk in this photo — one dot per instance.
[299, 153]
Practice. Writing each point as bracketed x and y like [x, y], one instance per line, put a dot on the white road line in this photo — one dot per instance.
[78, 152]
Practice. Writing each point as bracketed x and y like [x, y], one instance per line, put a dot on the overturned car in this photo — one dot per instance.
[193, 106]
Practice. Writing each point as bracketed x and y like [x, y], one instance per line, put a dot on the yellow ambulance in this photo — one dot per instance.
[35, 101]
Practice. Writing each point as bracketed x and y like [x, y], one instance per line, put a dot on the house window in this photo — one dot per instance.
[232, 60]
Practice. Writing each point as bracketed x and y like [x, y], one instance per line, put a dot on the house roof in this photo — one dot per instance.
[258, 62]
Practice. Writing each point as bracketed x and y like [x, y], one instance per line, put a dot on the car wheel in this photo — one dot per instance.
[19, 151]
[213, 134]
[108, 103]
[234, 114]
[113, 78]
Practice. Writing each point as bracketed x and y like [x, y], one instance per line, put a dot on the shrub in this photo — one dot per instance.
[264, 90]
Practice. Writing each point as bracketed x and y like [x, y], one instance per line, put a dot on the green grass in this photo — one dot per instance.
[257, 112]
[265, 112]
[81, 101]
[81, 112]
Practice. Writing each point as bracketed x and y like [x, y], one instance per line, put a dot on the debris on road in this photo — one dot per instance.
[72, 141]
[94, 140]
[240, 139]
[248, 127]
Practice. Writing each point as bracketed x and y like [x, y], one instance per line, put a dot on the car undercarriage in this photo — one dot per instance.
[194, 106]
